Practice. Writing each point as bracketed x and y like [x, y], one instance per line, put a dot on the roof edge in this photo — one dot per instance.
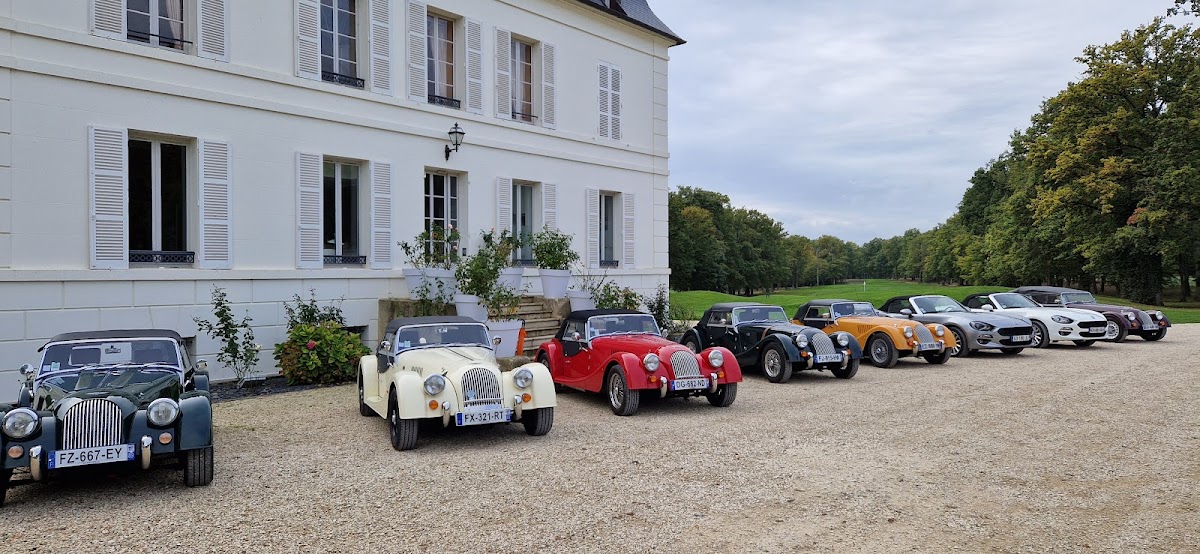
[625, 17]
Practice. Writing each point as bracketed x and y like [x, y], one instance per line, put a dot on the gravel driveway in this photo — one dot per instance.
[1062, 449]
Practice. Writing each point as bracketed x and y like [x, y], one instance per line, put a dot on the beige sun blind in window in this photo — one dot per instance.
[309, 190]
[308, 39]
[216, 205]
[415, 16]
[108, 179]
[381, 215]
[212, 26]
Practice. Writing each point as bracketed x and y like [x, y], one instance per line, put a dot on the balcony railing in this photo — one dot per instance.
[345, 260]
[444, 101]
[348, 80]
[520, 262]
[608, 264]
[160, 257]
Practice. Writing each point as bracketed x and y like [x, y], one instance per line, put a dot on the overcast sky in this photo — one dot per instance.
[864, 119]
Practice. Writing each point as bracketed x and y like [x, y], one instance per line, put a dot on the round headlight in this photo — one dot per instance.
[716, 358]
[801, 341]
[939, 331]
[908, 332]
[20, 423]
[843, 340]
[435, 384]
[1062, 319]
[522, 378]
[1158, 314]
[651, 362]
[1130, 316]
[162, 412]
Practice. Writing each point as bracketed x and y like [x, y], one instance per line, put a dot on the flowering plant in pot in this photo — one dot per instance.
[554, 256]
[501, 303]
[504, 244]
[477, 274]
[432, 256]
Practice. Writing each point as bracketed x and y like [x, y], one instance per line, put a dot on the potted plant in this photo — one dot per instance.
[554, 256]
[476, 275]
[501, 303]
[432, 256]
[583, 294]
[510, 274]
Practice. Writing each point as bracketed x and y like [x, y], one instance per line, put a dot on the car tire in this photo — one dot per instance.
[622, 400]
[1011, 351]
[881, 351]
[1153, 336]
[849, 372]
[775, 365]
[198, 467]
[538, 422]
[692, 343]
[545, 360]
[724, 396]
[1084, 343]
[403, 431]
[363, 409]
[5, 475]
[1041, 336]
[937, 358]
[1114, 331]
[963, 350]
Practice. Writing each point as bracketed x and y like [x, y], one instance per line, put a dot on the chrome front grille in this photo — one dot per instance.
[923, 334]
[92, 423]
[822, 344]
[684, 364]
[480, 387]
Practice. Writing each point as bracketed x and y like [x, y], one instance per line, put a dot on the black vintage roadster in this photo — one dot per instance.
[109, 397]
[761, 335]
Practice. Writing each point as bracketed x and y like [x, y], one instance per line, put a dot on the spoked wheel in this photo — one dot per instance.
[198, 467]
[363, 408]
[538, 422]
[961, 348]
[849, 372]
[624, 402]
[724, 396]
[403, 431]
[1115, 332]
[883, 352]
[1041, 338]
[691, 343]
[775, 364]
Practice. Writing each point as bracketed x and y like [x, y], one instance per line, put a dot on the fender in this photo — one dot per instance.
[195, 422]
[410, 395]
[636, 376]
[24, 398]
[731, 367]
[200, 379]
[541, 389]
[553, 352]
[368, 375]
[45, 437]
[1120, 319]
[789, 347]
[693, 332]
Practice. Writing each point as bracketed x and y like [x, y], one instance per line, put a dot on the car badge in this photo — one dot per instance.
[470, 394]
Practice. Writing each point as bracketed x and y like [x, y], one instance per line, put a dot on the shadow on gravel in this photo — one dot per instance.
[113, 486]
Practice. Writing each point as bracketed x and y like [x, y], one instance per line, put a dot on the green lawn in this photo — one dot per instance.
[877, 291]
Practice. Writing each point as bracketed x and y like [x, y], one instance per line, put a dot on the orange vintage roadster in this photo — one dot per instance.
[884, 339]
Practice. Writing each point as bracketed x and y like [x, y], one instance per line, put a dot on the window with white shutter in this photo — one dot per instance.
[609, 101]
[550, 205]
[108, 180]
[549, 115]
[212, 23]
[216, 206]
[381, 215]
[628, 230]
[504, 203]
[309, 185]
[503, 74]
[308, 39]
[416, 20]
[107, 18]
[474, 67]
[380, 39]
[593, 228]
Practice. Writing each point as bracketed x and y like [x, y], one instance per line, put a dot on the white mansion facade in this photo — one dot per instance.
[151, 149]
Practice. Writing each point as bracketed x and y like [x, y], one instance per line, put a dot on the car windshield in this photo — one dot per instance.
[623, 324]
[844, 309]
[1013, 300]
[1078, 298]
[98, 364]
[759, 314]
[441, 334]
[937, 304]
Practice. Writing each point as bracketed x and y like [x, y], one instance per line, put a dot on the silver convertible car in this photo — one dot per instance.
[972, 330]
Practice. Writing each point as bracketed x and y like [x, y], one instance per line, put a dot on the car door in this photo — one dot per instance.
[576, 355]
[720, 330]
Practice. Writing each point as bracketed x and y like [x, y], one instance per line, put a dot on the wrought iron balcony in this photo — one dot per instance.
[444, 101]
[160, 257]
[348, 80]
[608, 264]
[345, 260]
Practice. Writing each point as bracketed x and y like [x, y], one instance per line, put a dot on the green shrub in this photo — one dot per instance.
[238, 351]
[552, 249]
[610, 297]
[310, 313]
[321, 354]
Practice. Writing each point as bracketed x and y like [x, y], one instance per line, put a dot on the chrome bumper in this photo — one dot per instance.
[35, 463]
[145, 446]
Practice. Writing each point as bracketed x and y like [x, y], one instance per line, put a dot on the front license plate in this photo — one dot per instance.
[827, 358]
[689, 384]
[483, 418]
[89, 456]
[1151, 327]
[1021, 338]
[928, 346]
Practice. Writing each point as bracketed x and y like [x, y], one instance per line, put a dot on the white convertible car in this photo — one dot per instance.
[444, 368]
[1083, 327]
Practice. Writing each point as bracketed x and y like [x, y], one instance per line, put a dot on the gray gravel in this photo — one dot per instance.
[1057, 450]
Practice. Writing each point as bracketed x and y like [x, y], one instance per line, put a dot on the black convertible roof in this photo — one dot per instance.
[827, 301]
[584, 314]
[732, 305]
[399, 322]
[115, 334]
[1053, 290]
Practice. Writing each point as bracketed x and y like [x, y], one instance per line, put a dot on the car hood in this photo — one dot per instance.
[775, 327]
[427, 361]
[881, 321]
[1107, 308]
[965, 318]
[1048, 311]
[49, 396]
[637, 344]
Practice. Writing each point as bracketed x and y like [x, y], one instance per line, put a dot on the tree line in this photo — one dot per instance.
[1102, 189]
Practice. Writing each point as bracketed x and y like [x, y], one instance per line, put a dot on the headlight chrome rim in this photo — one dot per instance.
[16, 430]
[843, 340]
[651, 362]
[523, 378]
[162, 412]
[716, 358]
[908, 332]
[801, 341]
[940, 330]
[435, 384]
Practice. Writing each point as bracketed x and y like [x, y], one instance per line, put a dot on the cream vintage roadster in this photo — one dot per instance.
[443, 368]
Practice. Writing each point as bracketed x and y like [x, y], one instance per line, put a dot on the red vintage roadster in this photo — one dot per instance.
[622, 353]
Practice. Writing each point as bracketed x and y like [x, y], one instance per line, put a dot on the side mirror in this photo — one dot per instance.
[987, 307]
[26, 370]
[496, 341]
[665, 333]
[385, 346]
[724, 321]
[576, 336]
[906, 312]
[201, 364]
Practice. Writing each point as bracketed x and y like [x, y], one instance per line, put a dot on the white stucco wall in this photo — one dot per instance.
[57, 79]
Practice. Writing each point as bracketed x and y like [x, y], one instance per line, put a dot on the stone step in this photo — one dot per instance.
[542, 326]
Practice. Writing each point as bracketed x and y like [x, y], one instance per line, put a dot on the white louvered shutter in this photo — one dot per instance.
[212, 23]
[216, 205]
[381, 215]
[504, 203]
[308, 39]
[549, 117]
[604, 101]
[628, 231]
[417, 57]
[309, 189]
[381, 46]
[503, 74]
[474, 67]
[614, 97]
[593, 228]
[550, 205]
[107, 18]
[108, 179]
